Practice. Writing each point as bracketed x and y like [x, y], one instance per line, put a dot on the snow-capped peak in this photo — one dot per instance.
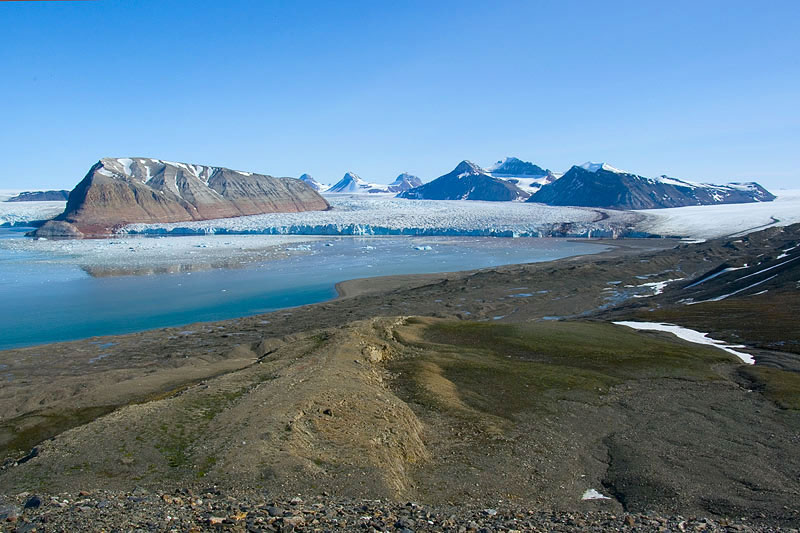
[591, 166]
[503, 162]
[314, 184]
[402, 177]
[351, 176]
[466, 168]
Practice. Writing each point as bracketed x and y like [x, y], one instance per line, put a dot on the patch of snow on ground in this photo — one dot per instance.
[23, 213]
[592, 494]
[691, 336]
[384, 215]
[768, 269]
[657, 286]
[714, 221]
[712, 276]
[718, 298]
[785, 253]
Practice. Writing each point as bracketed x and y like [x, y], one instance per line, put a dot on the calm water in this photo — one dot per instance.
[47, 302]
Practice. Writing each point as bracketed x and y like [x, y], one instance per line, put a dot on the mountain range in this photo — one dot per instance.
[601, 185]
[587, 185]
[351, 183]
[467, 181]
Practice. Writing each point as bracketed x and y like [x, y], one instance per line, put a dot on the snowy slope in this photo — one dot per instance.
[351, 183]
[467, 181]
[524, 174]
[601, 185]
[314, 184]
[404, 182]
[712, 221]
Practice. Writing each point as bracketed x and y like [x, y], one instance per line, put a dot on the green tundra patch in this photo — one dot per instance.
[501, 370]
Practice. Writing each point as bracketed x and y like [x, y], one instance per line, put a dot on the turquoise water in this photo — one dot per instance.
[48, 302]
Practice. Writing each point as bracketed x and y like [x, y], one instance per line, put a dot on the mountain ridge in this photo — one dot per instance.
[118, 191]
[467, 181]
[601, 185]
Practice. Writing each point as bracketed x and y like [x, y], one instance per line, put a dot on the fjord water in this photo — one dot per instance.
[48, 300]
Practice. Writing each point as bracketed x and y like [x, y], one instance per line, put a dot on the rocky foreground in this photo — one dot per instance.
[213, 510]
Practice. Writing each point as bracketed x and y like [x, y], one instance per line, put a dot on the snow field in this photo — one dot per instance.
[22, 213]
[714, 221]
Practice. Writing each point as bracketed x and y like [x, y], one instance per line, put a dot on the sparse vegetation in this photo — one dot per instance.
[500, 370]
[780, 386]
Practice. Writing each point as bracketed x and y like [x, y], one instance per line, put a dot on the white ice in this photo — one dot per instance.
[154, 253]
[383, 215]
[22, 213]
[591, 166]
[714, 221]
[657, 286]
[689, 335]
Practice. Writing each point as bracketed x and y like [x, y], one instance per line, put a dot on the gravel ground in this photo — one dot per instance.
[212, 510]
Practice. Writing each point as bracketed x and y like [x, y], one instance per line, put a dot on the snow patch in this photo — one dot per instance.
[657, 286]
[691, 336]
[718, 298]
[591, 166]
[592, 494]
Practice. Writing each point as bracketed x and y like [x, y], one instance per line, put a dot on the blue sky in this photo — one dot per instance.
[706, 91]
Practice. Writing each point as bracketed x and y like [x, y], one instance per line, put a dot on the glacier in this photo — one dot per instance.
[24, 213]
[383, 215]
[714, 221]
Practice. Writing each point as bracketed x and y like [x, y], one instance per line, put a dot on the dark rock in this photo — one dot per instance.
[33, 503]
[467, 182]
[40, 196]
[600, 185]
[404, 182]
[33, 453]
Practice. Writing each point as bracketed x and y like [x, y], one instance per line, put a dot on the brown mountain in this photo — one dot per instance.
[121, 191]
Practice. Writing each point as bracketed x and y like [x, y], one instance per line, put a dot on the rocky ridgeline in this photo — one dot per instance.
[127, 190]
[212, 510]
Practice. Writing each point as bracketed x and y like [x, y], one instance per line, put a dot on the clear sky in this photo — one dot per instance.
[701, 90]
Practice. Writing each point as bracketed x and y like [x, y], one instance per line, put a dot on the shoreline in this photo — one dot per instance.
[521, 251]
[361, 286]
